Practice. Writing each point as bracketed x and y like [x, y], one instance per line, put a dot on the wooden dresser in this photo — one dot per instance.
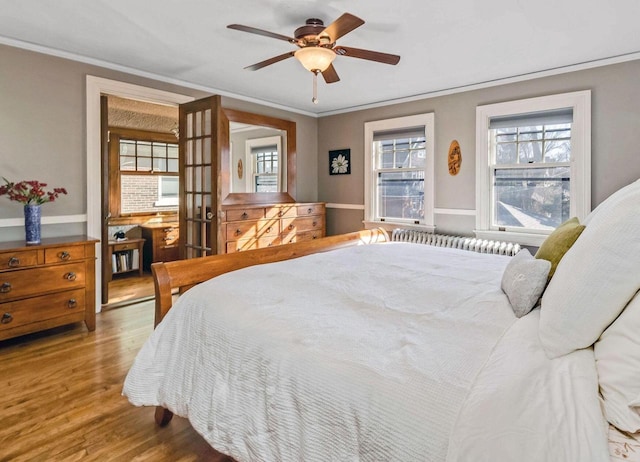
[46, 285]
[255, 226]
[161, 242]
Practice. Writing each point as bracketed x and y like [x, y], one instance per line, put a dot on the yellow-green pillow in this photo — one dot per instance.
[558, 242]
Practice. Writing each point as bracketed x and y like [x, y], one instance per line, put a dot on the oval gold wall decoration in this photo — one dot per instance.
[240, 168]
[454, 159]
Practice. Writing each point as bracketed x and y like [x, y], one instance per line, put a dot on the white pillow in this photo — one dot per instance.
[524, 280]
[596, 278]
[617, 355]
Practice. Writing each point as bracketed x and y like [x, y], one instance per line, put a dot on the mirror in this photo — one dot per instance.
[258, 161]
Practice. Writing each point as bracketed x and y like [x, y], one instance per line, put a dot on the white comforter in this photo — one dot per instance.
[373, 353]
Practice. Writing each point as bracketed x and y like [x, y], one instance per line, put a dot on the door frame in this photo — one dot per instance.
[96, 86]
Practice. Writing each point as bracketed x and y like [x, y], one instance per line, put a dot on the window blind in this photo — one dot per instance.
[557, 116]
[403, 133]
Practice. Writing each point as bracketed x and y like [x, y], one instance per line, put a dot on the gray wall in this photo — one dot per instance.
[615, 125]
[43, 132]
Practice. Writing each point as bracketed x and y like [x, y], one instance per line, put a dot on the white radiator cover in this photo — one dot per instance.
[456, 242]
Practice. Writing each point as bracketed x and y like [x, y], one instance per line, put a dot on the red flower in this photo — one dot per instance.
[30, 192]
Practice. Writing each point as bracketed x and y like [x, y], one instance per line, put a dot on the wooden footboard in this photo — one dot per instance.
[184, 274]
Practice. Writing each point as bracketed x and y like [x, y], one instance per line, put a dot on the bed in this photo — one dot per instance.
[354, 348]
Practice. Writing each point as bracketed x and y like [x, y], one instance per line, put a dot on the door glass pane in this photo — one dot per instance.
[207, 122]
[198, 117]
[206, 153]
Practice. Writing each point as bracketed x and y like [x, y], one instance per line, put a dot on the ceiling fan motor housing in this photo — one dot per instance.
[309, 32]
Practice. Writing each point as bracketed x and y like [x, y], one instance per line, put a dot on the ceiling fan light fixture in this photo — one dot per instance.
[315, 58]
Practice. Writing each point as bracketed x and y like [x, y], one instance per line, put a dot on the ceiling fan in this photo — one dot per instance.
[317, 47]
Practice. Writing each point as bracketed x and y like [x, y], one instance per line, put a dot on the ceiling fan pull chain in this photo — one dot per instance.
[314, 100]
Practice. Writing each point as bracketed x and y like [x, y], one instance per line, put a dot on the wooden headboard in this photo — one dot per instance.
[184, 274]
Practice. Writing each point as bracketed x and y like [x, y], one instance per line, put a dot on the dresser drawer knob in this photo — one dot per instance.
[6, 318]
[314, 224]
[280, 214]
[244, 216]
[72, 303]
[309, 210]
[70, 276]
[268, 230]
[238, 232]
[314, 237]
[5, 288]
[290, 227]
[14, 262]
[64, 255]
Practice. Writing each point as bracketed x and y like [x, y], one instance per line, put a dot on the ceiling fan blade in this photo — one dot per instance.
[330, 75]
[385, 58]
[266, 33]
[270, 61]
[342, 26]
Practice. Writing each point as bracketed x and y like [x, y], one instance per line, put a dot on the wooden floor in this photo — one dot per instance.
[124, 289]
[61, 397]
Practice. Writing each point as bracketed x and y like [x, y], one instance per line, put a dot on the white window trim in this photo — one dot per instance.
[426, 120]
[251, 164]
[580, 164]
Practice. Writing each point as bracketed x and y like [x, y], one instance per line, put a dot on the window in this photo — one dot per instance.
[399, 171]
[168, 187]
[263, 157]
[533, 166]
[143, 172]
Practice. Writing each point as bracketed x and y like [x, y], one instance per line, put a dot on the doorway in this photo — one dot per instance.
[96, 87]
[142, 185]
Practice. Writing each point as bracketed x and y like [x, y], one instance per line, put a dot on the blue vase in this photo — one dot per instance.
[32, 215]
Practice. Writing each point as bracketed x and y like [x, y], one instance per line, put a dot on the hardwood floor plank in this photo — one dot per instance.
[62, 399]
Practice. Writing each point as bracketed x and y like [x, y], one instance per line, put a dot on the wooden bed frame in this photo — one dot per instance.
[183, 274]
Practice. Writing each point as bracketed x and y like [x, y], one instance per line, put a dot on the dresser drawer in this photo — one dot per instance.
[22, 312]
[24, 283]
[18, 259]
[169, 237]
[252, 229]
[250, 244]
[282, 211]
[302, 224]
[244, 214]
[310, 209]
[124, 246]
[167, 253]
[61, 254]
[309, 235]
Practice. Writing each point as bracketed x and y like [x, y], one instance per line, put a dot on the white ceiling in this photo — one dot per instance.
[443, 45]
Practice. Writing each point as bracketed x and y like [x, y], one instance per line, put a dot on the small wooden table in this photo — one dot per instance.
[125, 256]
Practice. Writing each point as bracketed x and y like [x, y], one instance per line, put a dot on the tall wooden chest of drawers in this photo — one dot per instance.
[47, 285]
[246, 227]
[161, 242]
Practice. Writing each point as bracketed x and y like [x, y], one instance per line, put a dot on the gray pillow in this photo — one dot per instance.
[524, 280]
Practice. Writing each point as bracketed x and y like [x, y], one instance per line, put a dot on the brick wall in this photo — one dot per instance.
[139, 193]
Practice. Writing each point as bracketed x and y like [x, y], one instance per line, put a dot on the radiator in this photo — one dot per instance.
[455, 242]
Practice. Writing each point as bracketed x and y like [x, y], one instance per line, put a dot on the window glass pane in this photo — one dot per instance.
[402, 159]
[172, 166]
[159, 150]
[401, 195]
[530, 152]
[557, 131]
[506, 153]
[144, 164]
[532, 198]
[144, 149]
[418, 158]
[506, 138]
[127, 163]
[127, 148]
[172, 151]
[266, 183]
[557, 151]
[159, 165]
[169, 187]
